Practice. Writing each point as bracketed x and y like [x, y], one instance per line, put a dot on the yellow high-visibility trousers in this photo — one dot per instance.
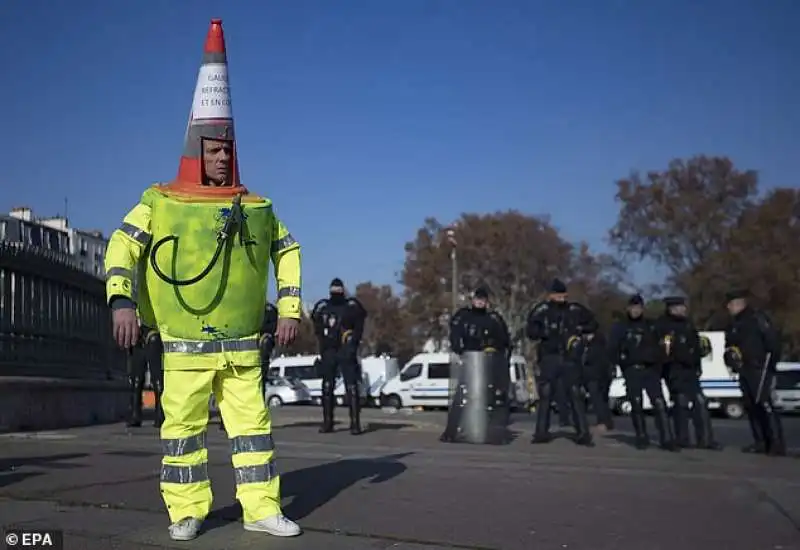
[185, 485]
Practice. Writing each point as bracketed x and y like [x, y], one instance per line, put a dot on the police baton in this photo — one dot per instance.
[763, 378]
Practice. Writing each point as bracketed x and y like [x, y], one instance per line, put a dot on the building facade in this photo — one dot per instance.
[84, 249]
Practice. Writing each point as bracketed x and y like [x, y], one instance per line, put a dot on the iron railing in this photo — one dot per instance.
[54, 321]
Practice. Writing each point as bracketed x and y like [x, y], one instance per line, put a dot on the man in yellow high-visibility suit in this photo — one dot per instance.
[201, 247]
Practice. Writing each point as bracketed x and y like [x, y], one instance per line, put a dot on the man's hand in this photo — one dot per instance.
[287, 331]
[125, 327]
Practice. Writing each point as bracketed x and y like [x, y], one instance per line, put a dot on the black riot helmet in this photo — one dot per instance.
[736, 300]
[480, 298]
[337, 289]
[557, 291]
[635, 306]
[675, 306]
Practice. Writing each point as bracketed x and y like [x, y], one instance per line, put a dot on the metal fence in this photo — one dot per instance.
[54, 321]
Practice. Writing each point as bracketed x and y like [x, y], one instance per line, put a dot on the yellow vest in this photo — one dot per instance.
[201, 322]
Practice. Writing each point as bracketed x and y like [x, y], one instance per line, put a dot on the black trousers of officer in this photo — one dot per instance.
[562, 401]
[554, 370]
[647, 378]
[595, 383]
[765, 421]
[147, 357]
[340, 361]
[684, 387]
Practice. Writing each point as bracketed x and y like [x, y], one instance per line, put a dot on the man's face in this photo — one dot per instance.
[678, 311]
[560, 297]
[217, 156]
[635, 311]
[479, 303]
[736, 306]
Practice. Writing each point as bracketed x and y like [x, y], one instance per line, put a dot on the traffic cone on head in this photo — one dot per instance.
[209, 165]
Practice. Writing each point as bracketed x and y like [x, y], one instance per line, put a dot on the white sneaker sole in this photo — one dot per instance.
[183, 538]
[258, 529]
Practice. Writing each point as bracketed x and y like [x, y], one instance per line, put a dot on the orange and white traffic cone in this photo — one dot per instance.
[210, 121]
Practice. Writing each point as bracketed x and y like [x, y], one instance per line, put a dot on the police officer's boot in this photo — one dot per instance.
[136, 385]
[328, 403]
[355, 409]
[158, 391]
[578, 405]
[759, 444]
[776, 444]
[642, 440]
[680, 412]
[702, 425]
[542, 434]
[666, 436]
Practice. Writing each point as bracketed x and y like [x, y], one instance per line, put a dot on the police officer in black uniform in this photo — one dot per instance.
[559, 325]
[683, 355]
[339, 325]
[596, 371]
[634, 346]
[752, 349]
[146, 356]
[475, 328]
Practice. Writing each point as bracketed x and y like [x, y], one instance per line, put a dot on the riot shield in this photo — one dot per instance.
[479, 386]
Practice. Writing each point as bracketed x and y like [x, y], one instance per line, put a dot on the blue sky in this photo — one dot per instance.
[361, 118]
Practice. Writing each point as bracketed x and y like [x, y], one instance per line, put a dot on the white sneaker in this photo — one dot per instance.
[279, 526]
[185, 529]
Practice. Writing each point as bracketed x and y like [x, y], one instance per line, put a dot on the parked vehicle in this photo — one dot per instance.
[299, 367]
[425, 382]
[281, 391]
[375, 371]
[787, 387]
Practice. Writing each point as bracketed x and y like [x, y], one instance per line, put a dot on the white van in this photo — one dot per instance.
[302, 368]
[425, 382]
[720, 386]
[375, 371]
[787, 387]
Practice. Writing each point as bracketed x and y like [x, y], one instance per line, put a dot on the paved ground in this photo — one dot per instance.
[397, 487]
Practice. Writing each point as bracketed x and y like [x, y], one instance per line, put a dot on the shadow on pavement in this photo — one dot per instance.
[625, 439]
[7, 466]
[313, 487]
[499, 437]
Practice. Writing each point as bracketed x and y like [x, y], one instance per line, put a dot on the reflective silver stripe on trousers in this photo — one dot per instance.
[183, 445]
[255, 474]
[172, 473]
[119, 272]
[213, 346]
[289, 291]
[252, 443]
[284, 242]
[138, 235]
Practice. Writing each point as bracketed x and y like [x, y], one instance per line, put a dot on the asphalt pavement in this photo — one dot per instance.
[397, 487]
